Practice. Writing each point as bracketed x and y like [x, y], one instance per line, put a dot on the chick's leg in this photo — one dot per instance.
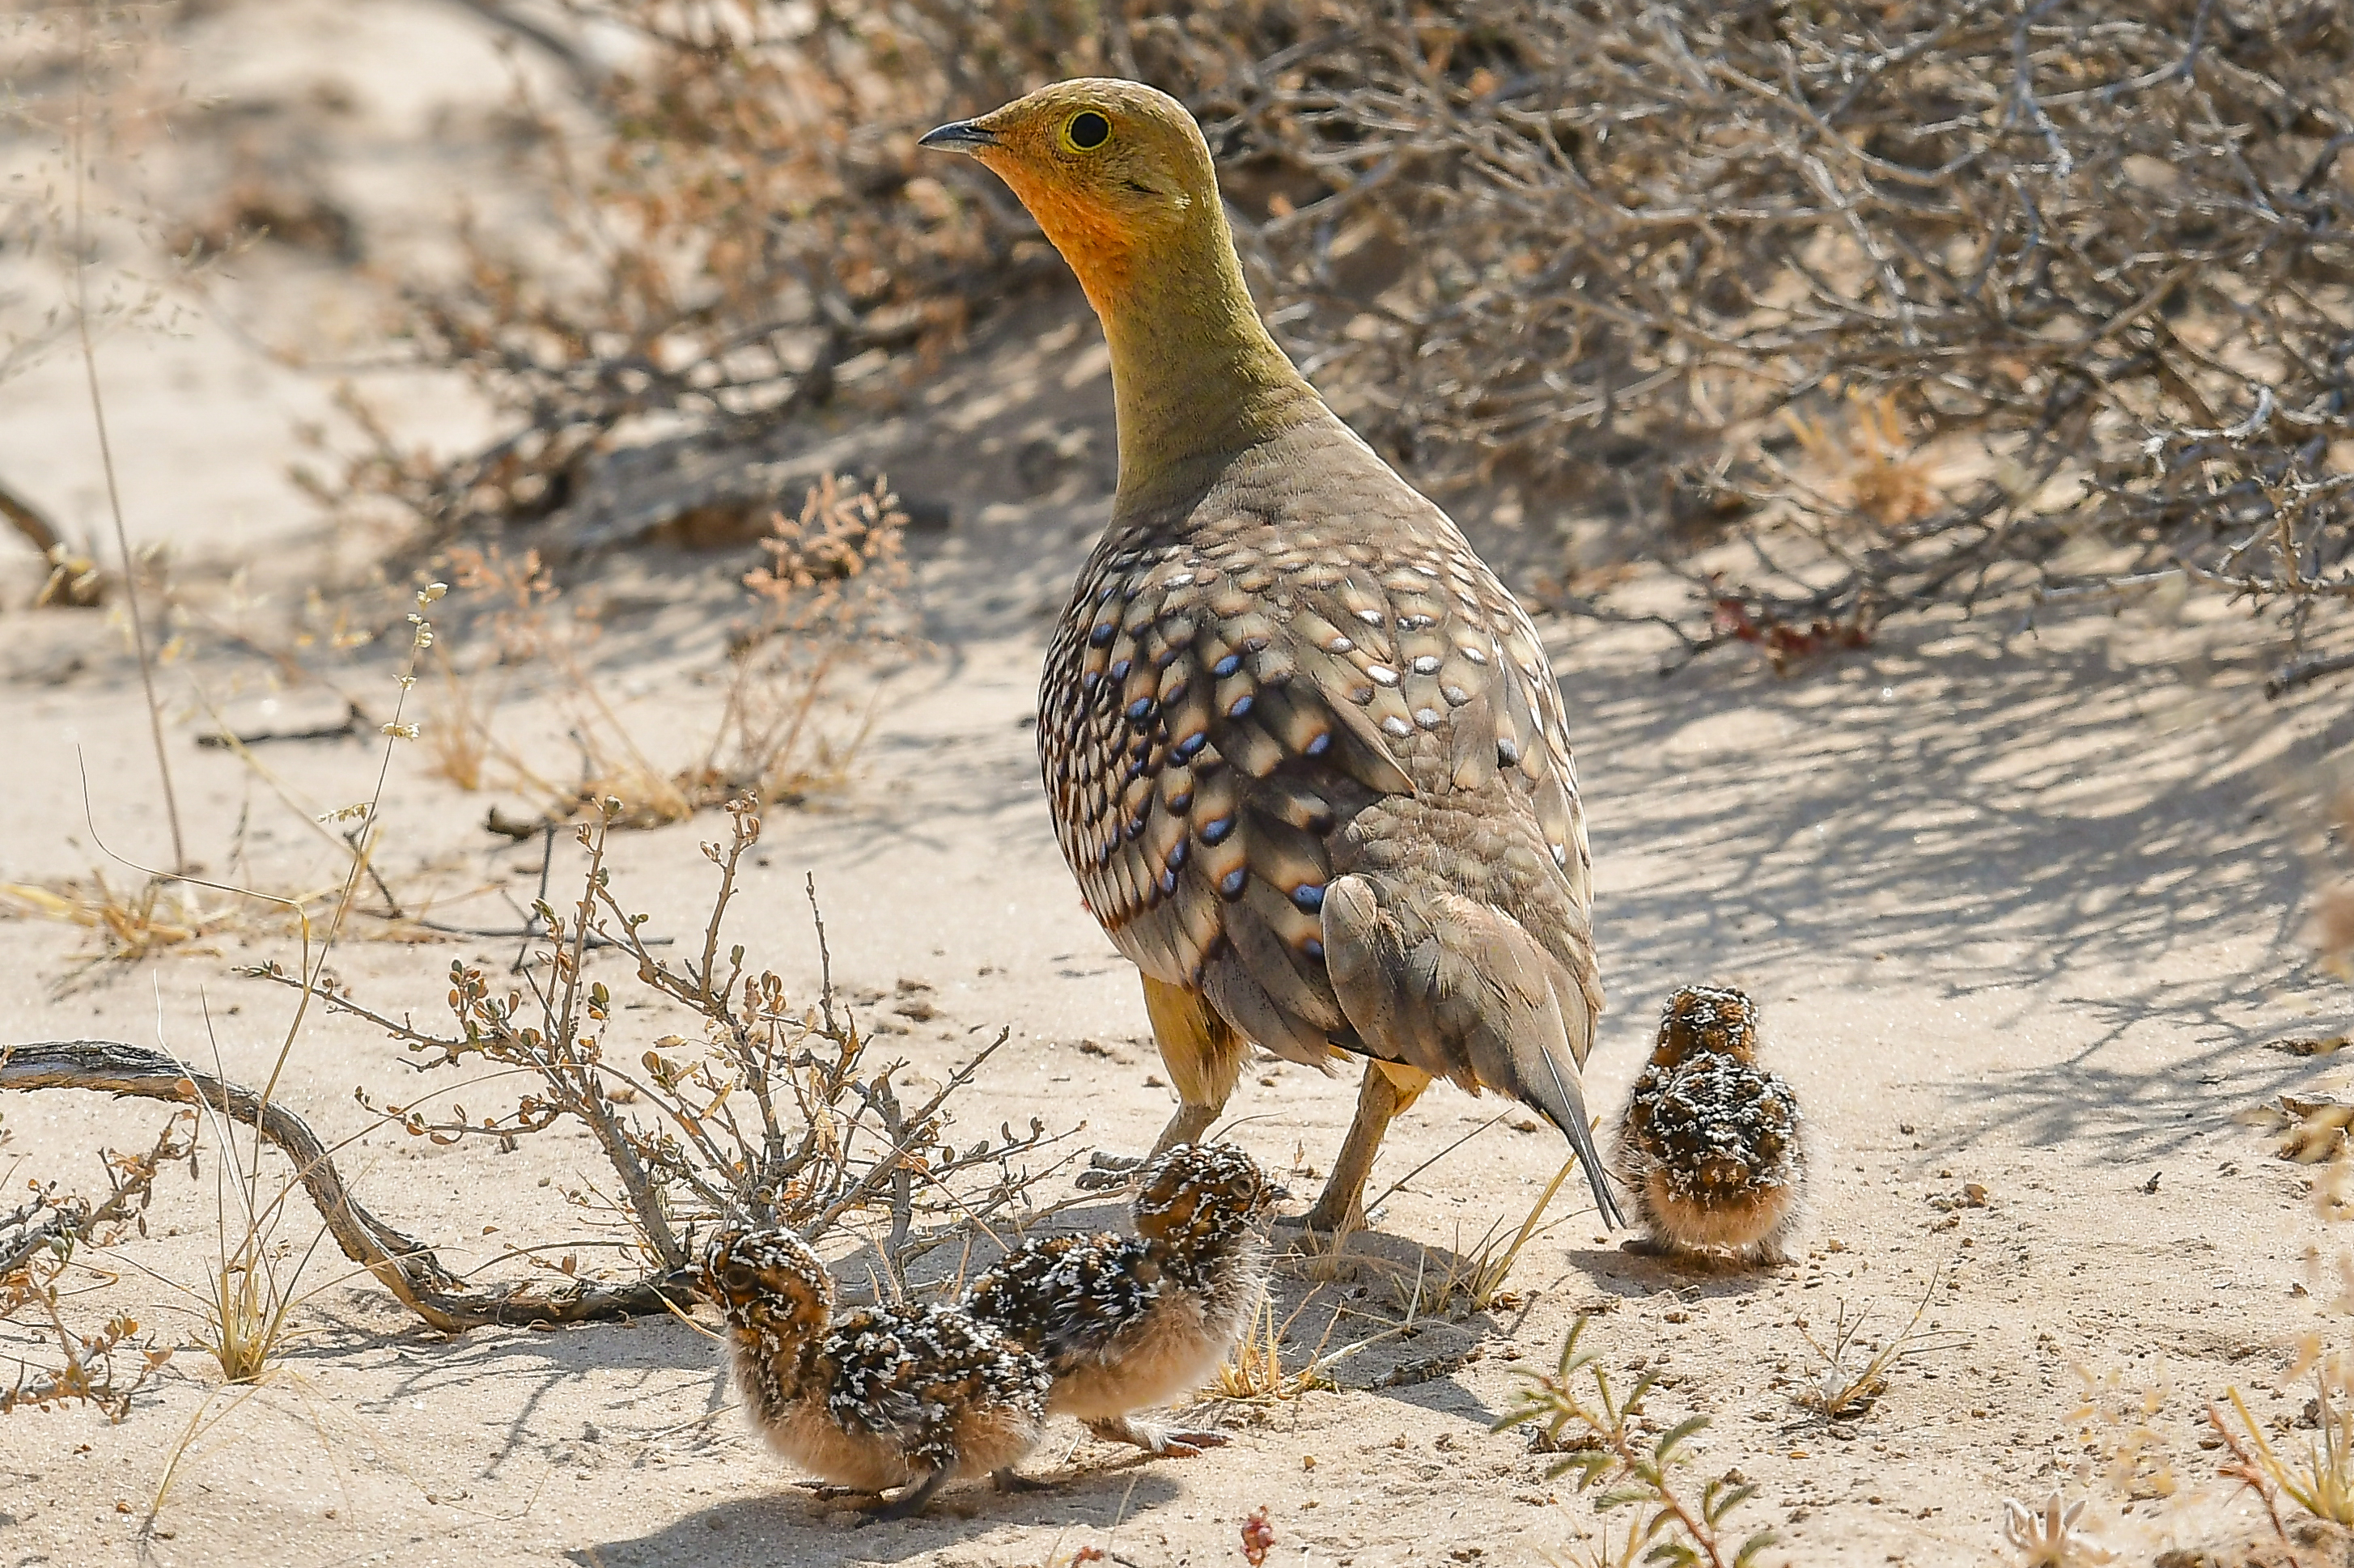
[914, 1499]
[1388, 1088]
[1204, 1057]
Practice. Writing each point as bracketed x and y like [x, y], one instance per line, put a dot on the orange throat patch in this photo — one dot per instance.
[1090, 237]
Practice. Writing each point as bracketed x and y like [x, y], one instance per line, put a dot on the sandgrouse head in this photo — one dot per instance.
[768, 1281]
[1115, 171]
[1199, 1192]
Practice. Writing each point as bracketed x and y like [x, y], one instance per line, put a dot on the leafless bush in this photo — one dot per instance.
[827, 607]
[751, 238]
[2086, 267]
[41, 1241]
[1919, 302]
[772, 1112]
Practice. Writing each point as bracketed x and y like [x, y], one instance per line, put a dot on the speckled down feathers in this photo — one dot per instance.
[908, 1373]
[1711, 1143]
[915, 1378]
[1090, 1301]
[1711, 1110]
[1706, 1020]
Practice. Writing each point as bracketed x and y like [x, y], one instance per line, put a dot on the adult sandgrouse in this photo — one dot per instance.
[1303, 751]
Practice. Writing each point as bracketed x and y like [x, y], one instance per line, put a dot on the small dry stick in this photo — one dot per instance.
[2245, 1468]
[106, 453]
[403, 1264]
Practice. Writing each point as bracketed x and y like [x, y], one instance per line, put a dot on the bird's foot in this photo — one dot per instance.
[913, 1500]
[1108, 1173]
[907, 1505]
[1186, 1444]
[1157, 1441]
[1009, 1479]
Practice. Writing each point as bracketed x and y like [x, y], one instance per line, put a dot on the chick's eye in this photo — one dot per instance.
[1088, 130]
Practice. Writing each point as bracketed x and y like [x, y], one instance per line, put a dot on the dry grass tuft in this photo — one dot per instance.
[1255, 1372]
[162, 913]
[1843, 1387]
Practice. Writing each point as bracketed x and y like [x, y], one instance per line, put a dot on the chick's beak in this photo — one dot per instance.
[958, 136]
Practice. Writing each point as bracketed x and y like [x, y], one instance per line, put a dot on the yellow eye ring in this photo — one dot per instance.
[1086, 131]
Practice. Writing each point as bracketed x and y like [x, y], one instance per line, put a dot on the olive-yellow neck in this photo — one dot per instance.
[1195, 372]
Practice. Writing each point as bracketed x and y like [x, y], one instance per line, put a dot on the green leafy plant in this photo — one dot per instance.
[1596, 1428]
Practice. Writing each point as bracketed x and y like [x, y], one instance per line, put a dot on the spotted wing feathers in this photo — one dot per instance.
[1068, 1298]
[1244, 676]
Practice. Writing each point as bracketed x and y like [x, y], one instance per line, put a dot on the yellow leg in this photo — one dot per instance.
[1388, 1088]
[1202, 1052]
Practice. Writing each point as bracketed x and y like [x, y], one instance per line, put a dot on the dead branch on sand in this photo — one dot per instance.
[401, 1264]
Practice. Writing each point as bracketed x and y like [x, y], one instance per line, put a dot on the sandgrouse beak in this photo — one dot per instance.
[958, 136]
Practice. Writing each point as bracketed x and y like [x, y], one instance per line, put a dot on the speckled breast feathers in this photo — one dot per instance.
[1257, 690]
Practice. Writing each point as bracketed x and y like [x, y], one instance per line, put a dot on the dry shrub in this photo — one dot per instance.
[831, 605]
[748, 235]
[770, 1111]
[2095, 254]
[2091, 259]
[41, 1241]
[826, 609]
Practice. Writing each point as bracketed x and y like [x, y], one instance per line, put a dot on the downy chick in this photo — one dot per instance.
[1126, 1323]
[881, 1397]
[1711, 1143]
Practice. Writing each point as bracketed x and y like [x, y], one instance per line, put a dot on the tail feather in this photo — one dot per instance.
[1462, 991]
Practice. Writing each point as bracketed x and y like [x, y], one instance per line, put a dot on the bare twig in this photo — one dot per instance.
[105, 448]
[403, 1264]
[27, 520]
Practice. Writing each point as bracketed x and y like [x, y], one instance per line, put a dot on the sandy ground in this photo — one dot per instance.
[2024, 912]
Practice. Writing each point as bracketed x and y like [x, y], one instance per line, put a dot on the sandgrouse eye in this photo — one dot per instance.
[1089, 130]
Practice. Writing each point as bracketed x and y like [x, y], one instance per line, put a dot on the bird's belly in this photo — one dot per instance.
[1732, 1223]
[1167, 1355]
[989, 1440]
[813, 1441]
